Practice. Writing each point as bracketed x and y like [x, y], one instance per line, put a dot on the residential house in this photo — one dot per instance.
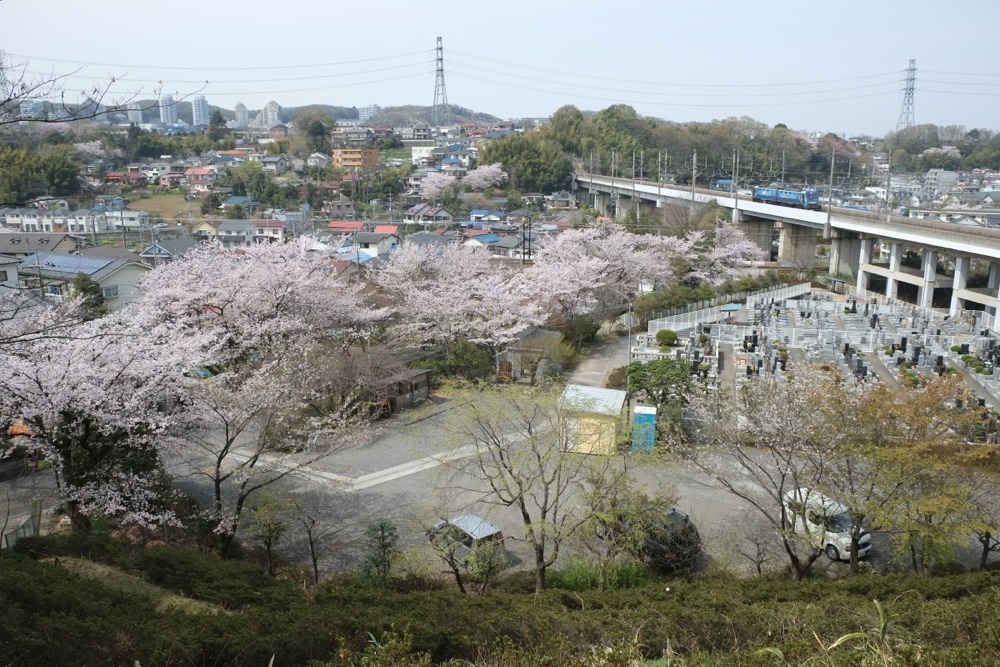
[236, 233]
[279, 131]
[167, 250]
[560, 201]
[481, 240]
[318, 160]
[427, 213]
[275, 164]
[248, 203]
[210, 174]
[341, 208]
[378, 245]
[270, 231]
[53, 273]
[426, 239]
[387, 229]
[345, 226]
[21, 245]
[524, 358]
[206, 230]
[591, 419]
[8, 272]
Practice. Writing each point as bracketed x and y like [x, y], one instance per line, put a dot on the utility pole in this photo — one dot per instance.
[782, 167]
[612, 197]
[694, 172]
[634, 198]
[888, 188]
[828, 228]
[736, 185]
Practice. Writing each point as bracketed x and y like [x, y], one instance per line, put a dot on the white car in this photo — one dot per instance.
[161, 225]
[459, 538]
[824, 523]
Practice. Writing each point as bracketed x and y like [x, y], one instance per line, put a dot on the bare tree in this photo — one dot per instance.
[521, 458]
[19, 87]
[766, 441]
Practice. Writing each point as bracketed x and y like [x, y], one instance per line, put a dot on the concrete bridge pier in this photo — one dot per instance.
[925, 294]
[760, 232]
[647, 206]
[958, 283]
[993, 284]
[845, 248]
[891, 283]
[796, 245]
[864, 258]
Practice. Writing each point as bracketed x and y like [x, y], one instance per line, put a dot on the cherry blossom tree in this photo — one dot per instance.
[285, 339]
[486, 176]
[454, 292]
[434, 185]
[97, 396]
[581, 270]
[722, 254]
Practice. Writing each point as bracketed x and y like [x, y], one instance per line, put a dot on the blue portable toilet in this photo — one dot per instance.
[643, 428]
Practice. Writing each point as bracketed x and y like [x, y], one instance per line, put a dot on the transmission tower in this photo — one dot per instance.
[906, 112]
[442, 112]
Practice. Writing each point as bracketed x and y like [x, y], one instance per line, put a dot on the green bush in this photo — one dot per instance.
[666, 338]
[581, 330]
[956, 348]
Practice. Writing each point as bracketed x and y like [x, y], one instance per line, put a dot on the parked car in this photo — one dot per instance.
[825, 523]
[160, 225]
[463, 537]
[672, 542]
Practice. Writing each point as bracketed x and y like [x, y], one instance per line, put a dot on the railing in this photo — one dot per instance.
[27, 529]
[708, 303]
[693, 318]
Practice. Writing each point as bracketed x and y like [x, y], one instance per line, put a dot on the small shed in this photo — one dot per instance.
[590, 419]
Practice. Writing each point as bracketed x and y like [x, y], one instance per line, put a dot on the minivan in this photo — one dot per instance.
[824, 523]
[462, 536]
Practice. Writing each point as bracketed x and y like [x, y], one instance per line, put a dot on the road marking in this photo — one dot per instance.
[364, 481]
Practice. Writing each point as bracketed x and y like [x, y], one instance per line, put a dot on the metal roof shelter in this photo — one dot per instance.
[593, 400]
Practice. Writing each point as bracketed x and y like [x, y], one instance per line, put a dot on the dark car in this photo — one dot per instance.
[672, 543]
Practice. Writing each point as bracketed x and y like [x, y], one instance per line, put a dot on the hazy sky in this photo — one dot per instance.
[835, 66]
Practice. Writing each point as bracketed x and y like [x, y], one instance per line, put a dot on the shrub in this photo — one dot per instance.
[666, 338]
[956, 348]
[581, 331]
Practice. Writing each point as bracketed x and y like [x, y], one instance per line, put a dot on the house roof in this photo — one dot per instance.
[12, 244]
[63, 266]
[169, 247]
[387, 229]
[237, 226]
[425, 238]
[487, 239]
[346, 226]
[594, 400]
[371, 237]
[107, 252]
[7, 259]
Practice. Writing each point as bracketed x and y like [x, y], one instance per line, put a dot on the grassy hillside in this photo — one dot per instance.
[66, 612]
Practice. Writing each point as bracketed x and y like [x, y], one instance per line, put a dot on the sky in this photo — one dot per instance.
[821, 67]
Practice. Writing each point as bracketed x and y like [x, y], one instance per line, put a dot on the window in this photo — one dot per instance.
[111, 292]
[3, 276]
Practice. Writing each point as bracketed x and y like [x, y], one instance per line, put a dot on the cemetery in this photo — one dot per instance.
[865, 336]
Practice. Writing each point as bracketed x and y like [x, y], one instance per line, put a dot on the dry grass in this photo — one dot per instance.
[115, 578]
[166, 205]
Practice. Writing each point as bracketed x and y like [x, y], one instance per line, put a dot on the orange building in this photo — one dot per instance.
[355, 158]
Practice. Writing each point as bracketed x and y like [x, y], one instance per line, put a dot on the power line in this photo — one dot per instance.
[675, 94]
[217, 69]
[662, 83]
[674, 104]
[125, 77]
[296, 90]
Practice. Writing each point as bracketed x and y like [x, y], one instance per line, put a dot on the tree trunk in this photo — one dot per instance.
[79, 521]
[984, 556]
[539, 569]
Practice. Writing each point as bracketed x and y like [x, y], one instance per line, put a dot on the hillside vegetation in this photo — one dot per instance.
[59, 612]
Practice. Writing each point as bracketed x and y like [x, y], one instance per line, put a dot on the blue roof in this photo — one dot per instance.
[451, 160]
[486, 239]
[479, 211]
[64, 263]
[239, 199]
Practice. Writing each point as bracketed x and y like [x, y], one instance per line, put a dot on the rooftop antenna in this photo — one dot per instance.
[442, 112]
[906, 112]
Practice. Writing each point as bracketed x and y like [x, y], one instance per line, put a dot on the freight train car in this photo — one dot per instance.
[783, 197]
